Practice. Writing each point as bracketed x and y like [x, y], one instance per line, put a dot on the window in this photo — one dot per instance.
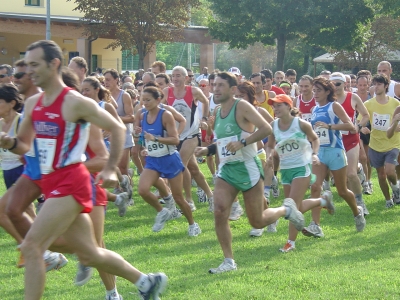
[32, 2]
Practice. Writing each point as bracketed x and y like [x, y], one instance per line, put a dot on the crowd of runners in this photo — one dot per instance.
[68, 139]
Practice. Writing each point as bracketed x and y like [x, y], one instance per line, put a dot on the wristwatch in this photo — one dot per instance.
[156, 139]
[243, 141]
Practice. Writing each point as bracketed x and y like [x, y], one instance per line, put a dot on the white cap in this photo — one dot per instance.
[337, 76]
[234, 70]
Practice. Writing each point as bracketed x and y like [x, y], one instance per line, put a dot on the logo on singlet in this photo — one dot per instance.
[46, 128]
[52, 115]
[229, 128]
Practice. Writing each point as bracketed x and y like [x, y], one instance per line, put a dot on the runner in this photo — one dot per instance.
[51, 116]
[185, 100]
[162, 159]
[305, 102]
[352, 105]
[236, 143]
[328, 118]
[383, 152]
[291, 140]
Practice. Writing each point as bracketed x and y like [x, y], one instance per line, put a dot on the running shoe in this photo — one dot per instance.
[163, 216]
[51, 260]
[117, 190]
[224, 267]
[211, 204]
[360, 173]
[191, 205]
[194, 230]
[396, 196]
[295, 216]
[162, 201]
[194, 183]
[122, 203]
[360, 220]
[288, 247]
[256, 232]
[313, 230]
[326, 186]
[201, 196]
[364, 207]
[62, 262]
[236, 212]
[389, 203]
[83, 274]
[130, 172]
[366, 188]
[114, 296]
[170, 203]
[275, 187]
[272, 227]
[327, 195]
[131, 202]
[126, 185]
[175, 214]
[158, 284]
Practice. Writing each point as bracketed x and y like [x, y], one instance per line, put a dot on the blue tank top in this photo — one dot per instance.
[328, 138]
[32, 164]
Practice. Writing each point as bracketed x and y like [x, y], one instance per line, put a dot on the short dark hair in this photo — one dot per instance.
[307, 77]
[20, 63]
[212, 76]
[363, 73]
[81, 62]
[9, 93]
[154, 91]
[327, 85]
[352, 76]
[232, 81]
[291, 72]
[165, 76]
[188, 70]
[8, 68]
[50, 49]
[267, 73]
[114, 73]
[263, 79]
[381, 78]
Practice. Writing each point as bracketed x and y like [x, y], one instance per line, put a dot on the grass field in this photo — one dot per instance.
[343, 265]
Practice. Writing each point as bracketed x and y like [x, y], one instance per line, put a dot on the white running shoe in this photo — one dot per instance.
[389, 203]
[201, 195]
[272, 227]
[83, 275]
[62, 262]
[162, 217]
[126, 185]
[194, 230]
[326, 186]
[288, 247]
[360, 173]
[313, 230]
[364, 207]
[158, 284]
[224, 267]
[360, 220]
[114, 296]
[275, 187]
[175, 214]
[51, 260]
[295, 216]
[327, 195]
[366, 189]
[236, 212]
[194, 183]
[256, 232]
[122, 203]
[396, 196]
[191, 205]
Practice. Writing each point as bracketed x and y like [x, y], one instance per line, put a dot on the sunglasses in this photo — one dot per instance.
[3, 75]
[202, 85]
[338, 83]
[19, 75]
[191, 75]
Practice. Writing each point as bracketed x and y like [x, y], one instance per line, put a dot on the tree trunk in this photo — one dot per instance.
[281, 46]
[141, 53]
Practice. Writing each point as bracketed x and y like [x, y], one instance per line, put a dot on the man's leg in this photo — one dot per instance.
[123, 164]
[198, 176]
[5, 222]
[186, 152]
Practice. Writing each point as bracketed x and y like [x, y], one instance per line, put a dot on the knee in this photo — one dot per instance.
[13, 212]
[382, 175]
[143, 191]
[220, 212]
[256, 223]
[87, 259]
[31, 249]
[316, 189]
[352, 177]
[342, 192]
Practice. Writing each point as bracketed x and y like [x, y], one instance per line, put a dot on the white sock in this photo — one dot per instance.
[169, 197]
[395, 186]
[230, 261]
[291, 242]
[143, 283]
[191, 226]
[111, 292]
[323, 202]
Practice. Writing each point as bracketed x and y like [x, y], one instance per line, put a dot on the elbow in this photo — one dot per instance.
[176, 141]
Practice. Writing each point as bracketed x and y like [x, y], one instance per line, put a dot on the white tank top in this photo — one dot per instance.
[391, 88]
[10, 160]
[292, 146]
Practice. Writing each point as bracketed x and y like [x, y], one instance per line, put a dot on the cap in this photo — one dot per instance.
[282, 98]
[234, 70]
[337, 76]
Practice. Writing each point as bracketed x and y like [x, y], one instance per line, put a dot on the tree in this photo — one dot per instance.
[380, 38]
[135, 25]
[322, 23]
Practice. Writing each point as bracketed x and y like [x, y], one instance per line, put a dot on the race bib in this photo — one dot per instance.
[323, 135]
[288, 148]
[46, 152]
[156, 149]
[306, 117]
[380, 122]
[224, 154]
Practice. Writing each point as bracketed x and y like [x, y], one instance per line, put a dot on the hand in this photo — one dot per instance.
[321, 125]
[365, 130]
[234, 146]
[107, 178]
[137, 130]
[200, 151]
[6, 142]
[210, 121]
[315, 159]
[144, 152]
[149, 136]
[396, 117]
[203, 125]
[208, 139]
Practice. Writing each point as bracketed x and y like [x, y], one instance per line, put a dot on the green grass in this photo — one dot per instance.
[343, 265]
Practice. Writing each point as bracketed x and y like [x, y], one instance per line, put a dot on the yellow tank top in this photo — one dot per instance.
[380, 116]
[265, 104]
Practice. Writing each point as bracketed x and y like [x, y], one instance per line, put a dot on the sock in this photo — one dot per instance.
[235, 204]
[323, 202]
[192, 226]
[288, 211]
[168, 198]
[394, 186]
[111, 292]
[358, 197]
[143, 283]
[230, 261]
[291, 242]
[267, 190]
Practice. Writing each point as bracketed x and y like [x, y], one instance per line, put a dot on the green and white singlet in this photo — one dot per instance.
[242, 169]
